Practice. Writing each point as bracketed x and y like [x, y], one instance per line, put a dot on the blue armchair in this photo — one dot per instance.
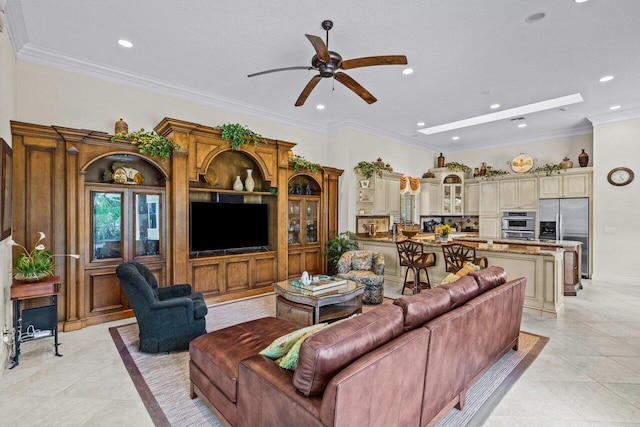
[168, 317]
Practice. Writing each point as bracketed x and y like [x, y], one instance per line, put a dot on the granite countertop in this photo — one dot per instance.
[504, 245]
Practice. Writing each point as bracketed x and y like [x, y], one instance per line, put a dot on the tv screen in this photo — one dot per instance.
[218, 226]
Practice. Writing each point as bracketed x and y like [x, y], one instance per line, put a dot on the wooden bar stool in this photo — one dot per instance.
[415, 259]
[456, 254]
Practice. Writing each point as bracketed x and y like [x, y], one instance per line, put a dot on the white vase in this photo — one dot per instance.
[248, 183]
[237, 185]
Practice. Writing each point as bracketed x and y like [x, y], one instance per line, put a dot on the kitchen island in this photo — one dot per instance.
[542, 263]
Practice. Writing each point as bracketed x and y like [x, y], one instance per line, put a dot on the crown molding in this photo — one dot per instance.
[611, 117]
[382, 133]
[48, 58]
[15, 24]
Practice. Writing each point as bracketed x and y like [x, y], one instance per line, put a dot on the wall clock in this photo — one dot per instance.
[620, 176]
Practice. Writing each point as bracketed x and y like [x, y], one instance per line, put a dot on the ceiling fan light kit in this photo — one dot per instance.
[329, 63]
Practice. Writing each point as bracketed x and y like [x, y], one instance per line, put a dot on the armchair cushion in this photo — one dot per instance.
[362, 261]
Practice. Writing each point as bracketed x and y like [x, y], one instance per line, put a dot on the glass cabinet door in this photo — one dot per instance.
[147, 223]
[311, 221]
[446, 199]
[295, 220]
[107, 225]
[457, 199]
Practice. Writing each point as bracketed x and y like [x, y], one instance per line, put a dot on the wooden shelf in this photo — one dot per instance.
[219, 190]
[336, 312]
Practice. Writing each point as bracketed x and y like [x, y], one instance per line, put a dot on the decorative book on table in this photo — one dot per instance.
[322, 282]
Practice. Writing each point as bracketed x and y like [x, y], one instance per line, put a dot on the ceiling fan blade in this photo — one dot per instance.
[368, 61]
[321, 49]
[275, 70]
[355, 86]
[307, 90]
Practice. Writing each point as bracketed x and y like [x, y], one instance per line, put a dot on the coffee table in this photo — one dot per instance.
[305, 308]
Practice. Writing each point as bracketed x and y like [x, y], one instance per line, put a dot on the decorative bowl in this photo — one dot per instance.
[410, 232]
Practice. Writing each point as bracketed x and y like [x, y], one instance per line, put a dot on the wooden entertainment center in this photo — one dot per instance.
[62, 187]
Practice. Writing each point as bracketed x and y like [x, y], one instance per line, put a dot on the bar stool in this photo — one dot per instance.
[456, 254]
[415, 259]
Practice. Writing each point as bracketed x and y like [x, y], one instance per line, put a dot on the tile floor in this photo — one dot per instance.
[587, 375]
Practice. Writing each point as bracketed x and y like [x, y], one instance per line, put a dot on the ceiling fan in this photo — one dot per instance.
[329, 64]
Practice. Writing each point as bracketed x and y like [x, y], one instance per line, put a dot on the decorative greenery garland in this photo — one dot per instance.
[548, 169]
[369, 168]
[149, 142]
[495, 172]
[457, 167]
[300, 162]
[239, 135]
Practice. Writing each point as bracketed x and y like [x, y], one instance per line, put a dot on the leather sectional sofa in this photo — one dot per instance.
[400, 364]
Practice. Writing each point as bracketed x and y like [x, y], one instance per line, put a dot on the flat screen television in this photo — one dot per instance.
[215, 226]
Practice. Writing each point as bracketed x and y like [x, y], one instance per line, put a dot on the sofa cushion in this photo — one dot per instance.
[462, 290]
[327, 352]
[281, 345]
[418, 309]
[218, 353]
[489, 278]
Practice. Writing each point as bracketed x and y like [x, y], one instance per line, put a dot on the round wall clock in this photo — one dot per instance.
[620, 176]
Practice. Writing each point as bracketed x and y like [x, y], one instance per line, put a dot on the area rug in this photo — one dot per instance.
[162, 380]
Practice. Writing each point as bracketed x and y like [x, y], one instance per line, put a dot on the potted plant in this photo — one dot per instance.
[239, 135]
[34, 265]
[443, 232]
[369, 168]
[300, 162]
[149, 142]
[336, 246]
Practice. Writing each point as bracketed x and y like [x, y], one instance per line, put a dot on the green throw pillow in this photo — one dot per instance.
[280, 346]
[290, 360]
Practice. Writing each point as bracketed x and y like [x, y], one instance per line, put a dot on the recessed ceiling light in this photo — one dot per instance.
[455, 138]
[505, 114]
[536, 17]
[407, 71]
[606, 79]
[319, 107]
[125, 43]
[494, 106]
[522, 125]
[581, 1]
[420, 124]
[614, 107]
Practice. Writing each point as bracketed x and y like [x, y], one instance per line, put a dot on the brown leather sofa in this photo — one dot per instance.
[406, 363]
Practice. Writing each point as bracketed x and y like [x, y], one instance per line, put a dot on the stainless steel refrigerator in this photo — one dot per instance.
[566, 219]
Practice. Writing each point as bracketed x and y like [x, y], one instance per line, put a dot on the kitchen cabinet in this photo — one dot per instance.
[565, 185]
[472, 198]
[521, 193]
[490, 226]
[452, 199]
[489, 198]
[379, 195]
[430, 203]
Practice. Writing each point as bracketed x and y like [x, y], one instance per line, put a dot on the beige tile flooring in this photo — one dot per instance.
[587, 375]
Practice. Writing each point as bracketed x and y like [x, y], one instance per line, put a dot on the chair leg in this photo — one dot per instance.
[426, 272]
[416, 280]
[404, 285]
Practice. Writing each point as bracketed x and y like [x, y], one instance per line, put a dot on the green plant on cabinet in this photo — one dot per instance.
[239, 135]
[149, 142]
[369, 168]
[300, 162]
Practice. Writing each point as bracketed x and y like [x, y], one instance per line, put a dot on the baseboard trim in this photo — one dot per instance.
[624, 280]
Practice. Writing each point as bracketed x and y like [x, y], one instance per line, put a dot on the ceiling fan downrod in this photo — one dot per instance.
[327, 25]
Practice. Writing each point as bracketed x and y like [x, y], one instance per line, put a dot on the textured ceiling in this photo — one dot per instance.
[467, 54]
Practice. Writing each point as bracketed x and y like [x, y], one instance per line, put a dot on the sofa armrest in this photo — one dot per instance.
[174, 291]
[383, 387]
[267, 397]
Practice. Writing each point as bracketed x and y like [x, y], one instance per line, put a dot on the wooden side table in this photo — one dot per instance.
[38, 322]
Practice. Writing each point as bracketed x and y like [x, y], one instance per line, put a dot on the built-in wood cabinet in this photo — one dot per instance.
[570, 183]
[65, 185]
[472, 198]
[520, 193]
[305, 228]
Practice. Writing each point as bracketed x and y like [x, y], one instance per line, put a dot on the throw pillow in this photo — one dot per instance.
[362, 262]
[468, 268]
[290, 360]
[451, 277]
[280, 346]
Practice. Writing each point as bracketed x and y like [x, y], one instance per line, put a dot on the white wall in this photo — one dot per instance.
[547, 151]
[616, 255]
[7, 112]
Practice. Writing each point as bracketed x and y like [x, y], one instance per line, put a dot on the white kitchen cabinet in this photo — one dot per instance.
[452, 199]
[567, 184]
[393, 196]
[472, 198]
[490, 226]
[381, 196]
[520, 193]
[489, 198]
[430, 203]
